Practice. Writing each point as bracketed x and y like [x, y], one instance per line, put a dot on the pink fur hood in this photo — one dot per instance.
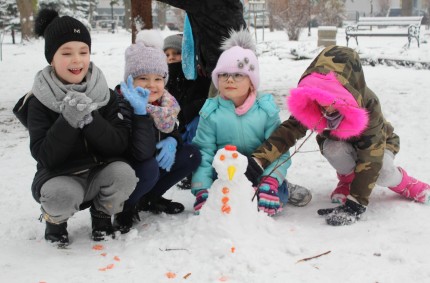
[319, 89]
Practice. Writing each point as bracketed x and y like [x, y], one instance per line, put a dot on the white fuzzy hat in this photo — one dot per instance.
[238, 57]
[146, 56]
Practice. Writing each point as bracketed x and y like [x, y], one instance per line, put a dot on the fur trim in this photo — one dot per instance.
[240, 38]
[150, 38]
[315, 90]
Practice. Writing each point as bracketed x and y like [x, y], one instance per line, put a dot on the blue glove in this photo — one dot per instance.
[166, 157]
[138, 97]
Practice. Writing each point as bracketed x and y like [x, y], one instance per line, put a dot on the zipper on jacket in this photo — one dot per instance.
[90, 153]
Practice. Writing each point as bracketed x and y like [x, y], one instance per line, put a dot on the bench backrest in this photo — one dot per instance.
[389, 21]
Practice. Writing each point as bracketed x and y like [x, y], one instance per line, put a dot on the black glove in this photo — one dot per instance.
[345, 214]
[253, 171]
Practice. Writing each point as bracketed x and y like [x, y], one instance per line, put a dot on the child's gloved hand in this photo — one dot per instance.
[268, 199]
[201, 198]
[253, 171]
[138, 97]
[345, 214]
[76, 108]
[166, 157]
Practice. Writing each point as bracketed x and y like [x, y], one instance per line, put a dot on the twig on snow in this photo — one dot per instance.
[312, 257]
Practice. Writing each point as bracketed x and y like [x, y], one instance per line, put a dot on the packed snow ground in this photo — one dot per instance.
[390, 244]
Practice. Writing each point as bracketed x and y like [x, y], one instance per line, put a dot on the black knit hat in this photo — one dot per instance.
[59, 30]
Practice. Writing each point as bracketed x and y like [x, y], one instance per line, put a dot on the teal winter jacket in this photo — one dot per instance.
[219, 125]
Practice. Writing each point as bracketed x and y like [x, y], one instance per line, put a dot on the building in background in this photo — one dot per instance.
[173, 17]
[367, 8]
[106, 13]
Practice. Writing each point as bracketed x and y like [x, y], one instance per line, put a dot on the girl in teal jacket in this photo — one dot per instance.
[240, 116]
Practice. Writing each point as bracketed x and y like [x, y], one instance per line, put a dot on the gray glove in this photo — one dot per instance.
[76, 108]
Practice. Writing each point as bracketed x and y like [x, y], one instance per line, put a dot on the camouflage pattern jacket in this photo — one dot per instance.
[370, 144]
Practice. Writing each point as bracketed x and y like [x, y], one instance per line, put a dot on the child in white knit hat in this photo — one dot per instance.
[158, 154]
[242, 117]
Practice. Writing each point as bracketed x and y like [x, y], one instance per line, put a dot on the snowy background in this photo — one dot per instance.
[390, 244]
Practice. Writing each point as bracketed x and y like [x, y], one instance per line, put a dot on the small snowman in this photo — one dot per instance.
[230, 196]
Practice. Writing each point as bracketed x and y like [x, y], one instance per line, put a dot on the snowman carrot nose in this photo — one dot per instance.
[231, 170]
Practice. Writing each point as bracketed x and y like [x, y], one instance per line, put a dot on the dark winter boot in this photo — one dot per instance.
[160, 205]
[185, 183]
[124, 220]
[345, 214]
[101, 225]
[57, 234]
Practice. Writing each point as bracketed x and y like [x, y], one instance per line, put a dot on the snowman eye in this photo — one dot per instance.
[235, 155]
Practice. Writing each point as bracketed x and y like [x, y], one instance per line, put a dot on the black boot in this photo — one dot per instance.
[57, 233]
[159, 205]
[185, 183]
[124, 220]
[101, 225]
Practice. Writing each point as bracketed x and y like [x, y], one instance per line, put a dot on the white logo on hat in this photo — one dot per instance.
[76, 30]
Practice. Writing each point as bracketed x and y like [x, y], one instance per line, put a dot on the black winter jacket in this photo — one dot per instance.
[211, 21]
[144, 134]
[191, 95]
[60, 149]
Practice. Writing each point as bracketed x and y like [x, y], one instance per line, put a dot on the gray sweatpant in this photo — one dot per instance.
[343, 157]
[108, 188]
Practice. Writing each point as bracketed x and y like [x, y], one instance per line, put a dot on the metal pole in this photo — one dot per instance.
[309, 25]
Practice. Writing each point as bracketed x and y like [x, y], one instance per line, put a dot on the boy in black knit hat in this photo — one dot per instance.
[77, 133]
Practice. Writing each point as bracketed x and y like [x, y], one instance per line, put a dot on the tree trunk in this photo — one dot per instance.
[141, 16]
[26, 14]
[406, 7]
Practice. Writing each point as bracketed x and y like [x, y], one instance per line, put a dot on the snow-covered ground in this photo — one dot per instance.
[388, 245]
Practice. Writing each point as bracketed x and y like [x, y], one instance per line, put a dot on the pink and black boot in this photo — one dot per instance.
[343, 186]
[412, 188]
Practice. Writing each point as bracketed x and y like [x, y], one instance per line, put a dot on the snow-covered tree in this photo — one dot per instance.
[292, 15]
[330, 12]
[384, 6]
[82, 10]
[8, 11]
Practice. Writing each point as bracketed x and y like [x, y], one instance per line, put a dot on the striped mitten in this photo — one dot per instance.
[268, 199]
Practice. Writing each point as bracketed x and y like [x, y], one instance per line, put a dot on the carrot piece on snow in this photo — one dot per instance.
[170, 275]
[116, 258]
[98, 247]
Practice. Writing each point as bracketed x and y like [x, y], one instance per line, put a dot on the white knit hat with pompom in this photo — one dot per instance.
[238, 57]
[146, 56]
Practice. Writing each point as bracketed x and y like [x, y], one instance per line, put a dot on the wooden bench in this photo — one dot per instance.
[377, 26]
